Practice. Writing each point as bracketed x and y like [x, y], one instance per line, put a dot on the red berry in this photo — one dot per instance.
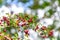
[36, 28]
[26, 31]
[50, 33]
[1, 20]
[43, 28]
[23, 24]
[44, 36]
[4, 18]
[30, 20]
[23, 20]
[5, 30]
[8, 22]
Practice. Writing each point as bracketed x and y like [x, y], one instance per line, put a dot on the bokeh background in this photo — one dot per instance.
[48, 11]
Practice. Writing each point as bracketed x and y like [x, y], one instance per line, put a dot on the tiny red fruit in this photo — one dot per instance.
[8, 22]
[26, 31]
[43, 28]
[44, 36]
[1, 20]
[30, 20]
[36, 28]
[23, 20]
[50, 33]
[5, 30]
[4, 18]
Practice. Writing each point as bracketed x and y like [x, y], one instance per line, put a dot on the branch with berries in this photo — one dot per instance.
[22, 23]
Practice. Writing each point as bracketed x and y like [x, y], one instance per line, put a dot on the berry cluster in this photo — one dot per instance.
[44, 32]
[24, 21]
[15, 21]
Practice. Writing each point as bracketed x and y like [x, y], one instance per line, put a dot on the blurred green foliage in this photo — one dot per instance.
[23, 1]
[1, 1]
[58, 38]
[59, 2]
[37, 5]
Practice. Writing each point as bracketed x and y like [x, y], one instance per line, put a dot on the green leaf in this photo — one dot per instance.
[45, 4]
[51, 27]
[50, 12]
[21, 15]
[16, 35]
[23, 1]
[52, 38]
